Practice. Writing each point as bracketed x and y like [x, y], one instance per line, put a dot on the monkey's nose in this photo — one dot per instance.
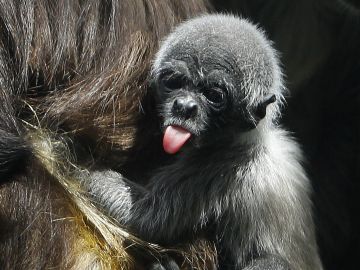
[186, 108]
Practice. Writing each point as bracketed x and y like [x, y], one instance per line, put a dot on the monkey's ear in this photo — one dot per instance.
[260, 111]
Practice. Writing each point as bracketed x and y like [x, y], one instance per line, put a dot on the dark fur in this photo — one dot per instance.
[319, 43]
[239, 181]
[80, 68]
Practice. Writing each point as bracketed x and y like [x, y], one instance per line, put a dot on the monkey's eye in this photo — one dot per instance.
[173, 82]
[214, 95]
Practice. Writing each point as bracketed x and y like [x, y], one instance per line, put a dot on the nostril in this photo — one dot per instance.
[177, 106]
[191, 109]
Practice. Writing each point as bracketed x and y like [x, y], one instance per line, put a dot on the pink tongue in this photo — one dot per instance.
[174, 138]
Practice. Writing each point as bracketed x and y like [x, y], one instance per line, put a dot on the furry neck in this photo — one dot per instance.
[256, 136]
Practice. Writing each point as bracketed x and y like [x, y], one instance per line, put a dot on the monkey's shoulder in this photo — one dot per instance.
[276, 167]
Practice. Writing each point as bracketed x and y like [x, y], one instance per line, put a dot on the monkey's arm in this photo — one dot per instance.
[113, 193]
[117, 196]
[155, 214]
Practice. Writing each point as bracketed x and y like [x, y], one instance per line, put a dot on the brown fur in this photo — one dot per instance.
[73, 76]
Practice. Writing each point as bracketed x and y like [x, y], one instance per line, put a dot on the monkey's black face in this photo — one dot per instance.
[194, 105]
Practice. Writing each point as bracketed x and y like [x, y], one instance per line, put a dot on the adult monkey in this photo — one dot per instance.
[70, 71]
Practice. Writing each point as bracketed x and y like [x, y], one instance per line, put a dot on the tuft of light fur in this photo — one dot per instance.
[100, 244]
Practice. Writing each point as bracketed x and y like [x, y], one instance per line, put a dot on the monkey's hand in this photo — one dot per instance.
[117, 195]
[112, 192]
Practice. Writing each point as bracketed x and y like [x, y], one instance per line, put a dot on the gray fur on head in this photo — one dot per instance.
[228, 44]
